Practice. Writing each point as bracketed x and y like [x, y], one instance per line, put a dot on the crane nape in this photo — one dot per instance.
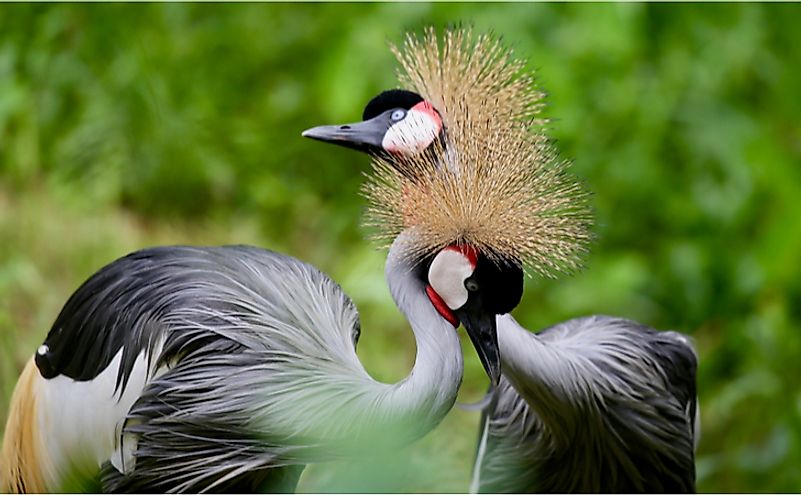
[229, 368]
[593, 404]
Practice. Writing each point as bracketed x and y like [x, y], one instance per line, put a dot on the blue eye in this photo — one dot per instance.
[398, 115]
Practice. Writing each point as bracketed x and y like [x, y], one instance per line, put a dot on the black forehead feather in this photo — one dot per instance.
[392, 98]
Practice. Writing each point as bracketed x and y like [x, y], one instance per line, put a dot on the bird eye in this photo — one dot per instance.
[471, 284]
[398, 115]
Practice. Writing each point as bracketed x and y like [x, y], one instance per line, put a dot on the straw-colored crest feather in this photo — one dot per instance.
[495, 181]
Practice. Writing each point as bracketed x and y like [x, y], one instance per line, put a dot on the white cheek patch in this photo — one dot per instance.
[413, 134]
[447, 274]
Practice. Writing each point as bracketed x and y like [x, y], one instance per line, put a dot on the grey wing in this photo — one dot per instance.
[664, 435]
[256, 326]
[190, 432]
[642, 383]
[126, 304]
[680, 361]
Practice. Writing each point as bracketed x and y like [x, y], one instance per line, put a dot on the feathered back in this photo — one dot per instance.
[494, 181]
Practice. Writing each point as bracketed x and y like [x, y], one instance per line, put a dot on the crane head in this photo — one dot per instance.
[461, 156]
[396, 122]
[465, 286]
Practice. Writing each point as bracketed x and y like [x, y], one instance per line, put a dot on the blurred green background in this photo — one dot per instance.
[124, 126]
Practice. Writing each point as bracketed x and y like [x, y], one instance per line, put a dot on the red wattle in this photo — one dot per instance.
[428, 108]
[441, 307]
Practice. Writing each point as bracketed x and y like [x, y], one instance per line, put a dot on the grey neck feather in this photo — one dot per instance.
[550, 378]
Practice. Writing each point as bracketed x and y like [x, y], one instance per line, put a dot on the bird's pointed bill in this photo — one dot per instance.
[362, 136]
[481, 329]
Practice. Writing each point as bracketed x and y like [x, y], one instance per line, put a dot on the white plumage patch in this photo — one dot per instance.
[80, 422]
[447, 274]
[413, 134]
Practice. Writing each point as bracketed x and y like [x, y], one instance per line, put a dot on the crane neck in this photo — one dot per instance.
[430, 390]
[548, 377]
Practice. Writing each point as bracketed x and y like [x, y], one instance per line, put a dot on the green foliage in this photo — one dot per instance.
[123, 126]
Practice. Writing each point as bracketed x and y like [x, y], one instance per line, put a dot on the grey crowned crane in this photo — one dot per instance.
[594, 404]
[229, 368]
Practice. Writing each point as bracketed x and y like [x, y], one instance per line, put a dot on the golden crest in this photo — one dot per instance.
[495, 180]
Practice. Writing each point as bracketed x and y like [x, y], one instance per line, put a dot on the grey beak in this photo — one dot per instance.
[363, 136]
[481, 329]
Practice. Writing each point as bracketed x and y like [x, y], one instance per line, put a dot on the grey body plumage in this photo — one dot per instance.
[595, 404]
[253, 370]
